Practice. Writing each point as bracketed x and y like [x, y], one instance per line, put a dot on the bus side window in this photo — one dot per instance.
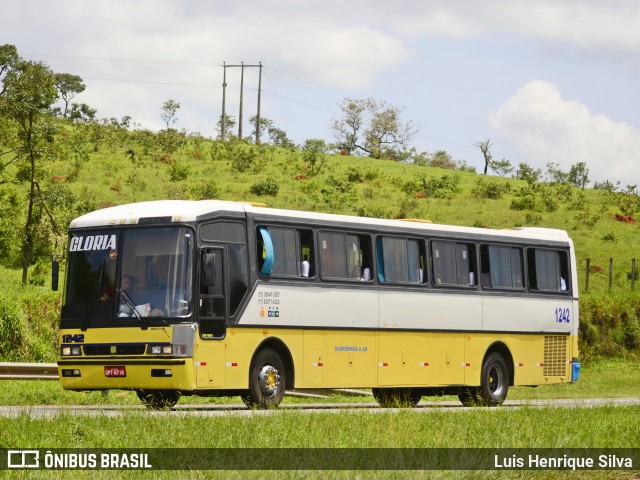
[285, 252]
[548, 270]
[501, 267]
[454, 263]
[400, 260]
[345, 256]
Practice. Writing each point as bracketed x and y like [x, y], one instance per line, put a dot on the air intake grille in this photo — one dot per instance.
[555, 356]
[109, 350]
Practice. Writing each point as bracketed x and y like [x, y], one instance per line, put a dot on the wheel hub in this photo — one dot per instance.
[268, 380]
[495, 382]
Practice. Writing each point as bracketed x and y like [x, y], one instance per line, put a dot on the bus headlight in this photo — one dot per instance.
[161, 349]
[70, 351]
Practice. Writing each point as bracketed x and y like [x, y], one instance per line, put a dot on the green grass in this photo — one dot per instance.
[601, 427]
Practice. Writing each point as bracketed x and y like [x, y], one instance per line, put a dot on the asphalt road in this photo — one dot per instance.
[215, 410]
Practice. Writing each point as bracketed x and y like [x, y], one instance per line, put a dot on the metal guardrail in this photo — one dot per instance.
[29, 371]
[49, 371]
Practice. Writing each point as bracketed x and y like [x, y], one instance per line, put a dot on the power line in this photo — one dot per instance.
[151, 82]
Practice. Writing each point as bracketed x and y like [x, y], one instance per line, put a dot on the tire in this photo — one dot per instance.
[158, 399]
[494, 381]
[396, 397]
[267, 380]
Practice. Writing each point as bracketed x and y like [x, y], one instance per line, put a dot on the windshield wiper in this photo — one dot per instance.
[132, 305]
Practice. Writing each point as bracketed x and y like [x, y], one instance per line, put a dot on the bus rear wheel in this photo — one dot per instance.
[494, 381]
[267, 380]
[158, 399]
[396, 397]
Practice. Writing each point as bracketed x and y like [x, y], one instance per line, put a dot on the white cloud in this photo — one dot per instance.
[545, 127]
[593, 27]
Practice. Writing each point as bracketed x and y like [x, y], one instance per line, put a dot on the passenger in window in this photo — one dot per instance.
[563, 284]
[366, 274]
[305, 267]
[472, 279]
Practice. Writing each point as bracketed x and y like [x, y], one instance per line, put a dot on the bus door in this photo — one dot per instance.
[213, 316]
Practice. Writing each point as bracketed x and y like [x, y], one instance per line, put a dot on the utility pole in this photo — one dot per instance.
[258, 113]
[223, 120]
[224, 85]
[241, 96]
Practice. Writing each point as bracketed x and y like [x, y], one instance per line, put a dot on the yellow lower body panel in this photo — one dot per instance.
[153, 376]
[329, 359]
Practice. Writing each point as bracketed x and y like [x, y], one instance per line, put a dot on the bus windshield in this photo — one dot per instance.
[124, 275]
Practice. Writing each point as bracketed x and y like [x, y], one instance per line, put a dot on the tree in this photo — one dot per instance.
[279, 138]
[68, 87]
[169, 110]
[528, 174]
[229, 123]
[579, 175]
[313, 154]
[556, 175]
[82, 113]
[8, 59]
[442, 159]
[27, 95]
[484, 148]
[501, 167]
[265, 124]
[372, 127]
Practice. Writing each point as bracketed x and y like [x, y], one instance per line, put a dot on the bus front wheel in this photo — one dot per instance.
[494, 380]
[267, 380]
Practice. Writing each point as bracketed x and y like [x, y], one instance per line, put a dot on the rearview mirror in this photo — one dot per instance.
[208, 270]
[55, 274]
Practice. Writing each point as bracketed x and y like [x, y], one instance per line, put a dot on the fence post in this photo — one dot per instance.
[610, 273]
[586, 276]
[633, 274]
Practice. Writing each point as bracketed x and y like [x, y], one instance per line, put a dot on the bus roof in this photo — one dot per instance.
[190, 210]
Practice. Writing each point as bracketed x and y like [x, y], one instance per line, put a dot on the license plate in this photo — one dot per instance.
[115, 372]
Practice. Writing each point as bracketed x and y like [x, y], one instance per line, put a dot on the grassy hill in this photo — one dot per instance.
[132, 170]
[98, 166]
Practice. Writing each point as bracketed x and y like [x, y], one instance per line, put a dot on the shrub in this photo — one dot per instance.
[525, 200]
[609, 325]
[207, 190]
[532, 218]
[243, 158]
[354, 175]
[179, 171]
[438, 187]
[13, 330]
[491, 190]
[28, 323]
[268, 188]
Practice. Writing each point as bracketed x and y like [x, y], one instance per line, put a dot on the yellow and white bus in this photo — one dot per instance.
[214, 298]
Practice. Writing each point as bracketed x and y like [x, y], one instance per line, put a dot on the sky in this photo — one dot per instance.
[550, 81]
